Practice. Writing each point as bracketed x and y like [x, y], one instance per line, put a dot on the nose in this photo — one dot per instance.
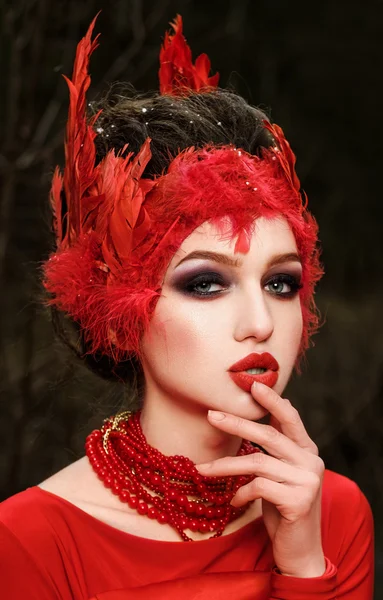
[253, 316]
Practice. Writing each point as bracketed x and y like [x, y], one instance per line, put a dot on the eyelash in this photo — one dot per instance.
[210, 278]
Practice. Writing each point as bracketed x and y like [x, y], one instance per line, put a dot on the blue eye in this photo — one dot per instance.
[283, 285]
[202, 284]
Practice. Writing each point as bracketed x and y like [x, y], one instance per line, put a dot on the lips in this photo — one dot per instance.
[244, 380]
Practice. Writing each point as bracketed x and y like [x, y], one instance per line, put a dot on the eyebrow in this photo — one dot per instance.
[227, 260]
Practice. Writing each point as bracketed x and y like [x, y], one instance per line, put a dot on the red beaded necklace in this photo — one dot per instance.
[166, 488]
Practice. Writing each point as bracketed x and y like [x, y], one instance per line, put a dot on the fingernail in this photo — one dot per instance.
[203, 466]
[216, 415]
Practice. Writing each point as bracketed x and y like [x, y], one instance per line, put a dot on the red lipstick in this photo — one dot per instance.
[255, 361]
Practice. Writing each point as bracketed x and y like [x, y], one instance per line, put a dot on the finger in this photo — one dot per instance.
[284, 416]
[260, 487]
[299, 498]
[273, 441]
[254, 464]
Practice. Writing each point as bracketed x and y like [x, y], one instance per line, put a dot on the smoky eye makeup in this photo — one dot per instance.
[283, 285]
[290, 270]
[200, 282]
[282, 282]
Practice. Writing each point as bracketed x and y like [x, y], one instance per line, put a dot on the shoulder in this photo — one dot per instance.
[347, 521]
[29, 503]
[341, 495]
[43, 514]
[32, 542]
[30, 517]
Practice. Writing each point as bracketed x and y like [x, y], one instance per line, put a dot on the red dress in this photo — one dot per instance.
[50, 550]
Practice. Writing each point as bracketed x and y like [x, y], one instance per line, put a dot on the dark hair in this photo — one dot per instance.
[219, 117]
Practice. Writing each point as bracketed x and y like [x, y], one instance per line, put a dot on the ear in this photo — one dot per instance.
[118, 341]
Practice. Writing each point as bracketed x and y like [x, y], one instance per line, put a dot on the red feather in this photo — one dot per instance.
[106, 198]
[125, 191]
[284, 154]
[79, 173]
[56, 202]
[178, 76]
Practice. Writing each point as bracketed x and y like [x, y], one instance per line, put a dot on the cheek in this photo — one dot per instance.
[290, 328]
[297, 323]
[178, 333]
[288, 341]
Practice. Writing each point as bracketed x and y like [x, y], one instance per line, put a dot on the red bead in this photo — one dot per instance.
[133, 501]
[193, 525]
[204, 527]
[152, 513]
[220, 500]
[189, 508]
[182, 500]
[147, 474]
[124, 495]
[163, 518]
[210, 512]
[108, 481]
[214, 525]
[142, 508]
[116, 488]
[201, 510]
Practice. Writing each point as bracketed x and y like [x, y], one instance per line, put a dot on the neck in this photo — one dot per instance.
[173, 428]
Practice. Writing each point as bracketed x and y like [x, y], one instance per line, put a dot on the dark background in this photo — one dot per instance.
[318, 66]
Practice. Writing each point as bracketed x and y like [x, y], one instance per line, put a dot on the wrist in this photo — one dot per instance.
[315, 568]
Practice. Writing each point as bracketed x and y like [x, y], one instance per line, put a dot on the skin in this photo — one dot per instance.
[192, 407]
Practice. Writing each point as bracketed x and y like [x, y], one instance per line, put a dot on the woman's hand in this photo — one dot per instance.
[289, 481]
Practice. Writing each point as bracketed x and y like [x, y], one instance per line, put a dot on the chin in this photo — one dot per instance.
[242, 404]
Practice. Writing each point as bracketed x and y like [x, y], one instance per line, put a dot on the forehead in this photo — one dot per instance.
[269, 236]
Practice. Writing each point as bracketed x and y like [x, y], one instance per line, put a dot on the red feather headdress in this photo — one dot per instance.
[117, 231]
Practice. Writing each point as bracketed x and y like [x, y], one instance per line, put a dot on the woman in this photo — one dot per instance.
[188, 260]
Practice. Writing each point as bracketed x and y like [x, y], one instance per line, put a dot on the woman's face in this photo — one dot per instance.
[212, 314]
